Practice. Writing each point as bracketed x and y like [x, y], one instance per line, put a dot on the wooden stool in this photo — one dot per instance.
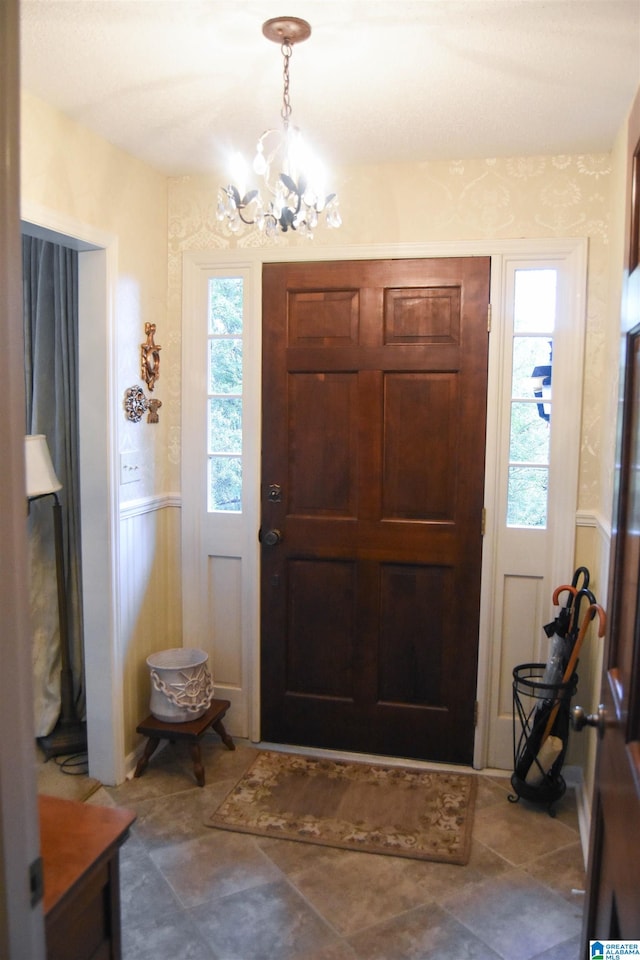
[190, 730]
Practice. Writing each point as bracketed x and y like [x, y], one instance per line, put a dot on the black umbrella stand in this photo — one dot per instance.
[541, 722]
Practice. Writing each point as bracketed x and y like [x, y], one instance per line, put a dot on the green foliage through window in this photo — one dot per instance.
[534, 315]
[224, 409]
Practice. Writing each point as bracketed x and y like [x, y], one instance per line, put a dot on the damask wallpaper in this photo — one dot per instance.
[68, 169]
[517, 197]
[69, 172]
[71, 178]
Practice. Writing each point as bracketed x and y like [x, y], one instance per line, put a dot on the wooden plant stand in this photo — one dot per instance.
[191, 731]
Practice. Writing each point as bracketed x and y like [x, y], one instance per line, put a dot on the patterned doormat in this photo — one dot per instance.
[397, 811]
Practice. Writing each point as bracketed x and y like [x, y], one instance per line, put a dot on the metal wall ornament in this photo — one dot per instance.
[136, 405]
[150, 357]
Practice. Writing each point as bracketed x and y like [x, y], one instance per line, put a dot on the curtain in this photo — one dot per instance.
[50, 313]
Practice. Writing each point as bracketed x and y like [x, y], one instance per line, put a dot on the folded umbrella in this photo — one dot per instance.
[575, 653]
[563, 630]
[537, 756]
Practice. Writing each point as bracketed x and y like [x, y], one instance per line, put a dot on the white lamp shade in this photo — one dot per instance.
[41, 477]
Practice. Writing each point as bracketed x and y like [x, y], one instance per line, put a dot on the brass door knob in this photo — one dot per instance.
[580, 719]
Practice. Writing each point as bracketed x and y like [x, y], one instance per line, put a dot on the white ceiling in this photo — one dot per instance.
[178, 82]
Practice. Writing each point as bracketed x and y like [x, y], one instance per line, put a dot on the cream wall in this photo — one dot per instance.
[68, 169]
[70, 175]
[521, 197]
[596, 547]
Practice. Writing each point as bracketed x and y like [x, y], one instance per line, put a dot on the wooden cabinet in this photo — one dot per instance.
[80, 845]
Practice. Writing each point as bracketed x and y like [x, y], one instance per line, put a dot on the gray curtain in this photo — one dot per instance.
[50, 305]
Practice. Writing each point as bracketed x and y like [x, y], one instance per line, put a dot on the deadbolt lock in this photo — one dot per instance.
[275, 493]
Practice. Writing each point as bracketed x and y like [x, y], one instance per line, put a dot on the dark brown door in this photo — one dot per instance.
[374, 390]
[613, 904]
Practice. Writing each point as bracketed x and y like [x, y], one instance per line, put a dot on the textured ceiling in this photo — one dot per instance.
[179, 82]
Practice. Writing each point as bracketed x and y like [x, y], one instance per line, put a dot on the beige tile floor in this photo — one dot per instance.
[193, 893]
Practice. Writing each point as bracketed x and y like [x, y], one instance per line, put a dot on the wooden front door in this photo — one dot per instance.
[373, 439]
[613, 904]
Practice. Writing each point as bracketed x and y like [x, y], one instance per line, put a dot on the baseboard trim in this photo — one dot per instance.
[574, 778]
[131, 760]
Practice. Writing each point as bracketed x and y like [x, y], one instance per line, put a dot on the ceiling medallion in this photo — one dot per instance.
[293, 196]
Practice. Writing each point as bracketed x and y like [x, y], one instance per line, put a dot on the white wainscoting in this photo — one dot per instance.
[150, 599]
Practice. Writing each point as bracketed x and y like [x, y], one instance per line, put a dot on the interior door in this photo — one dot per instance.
[373, 437]
[613, 906]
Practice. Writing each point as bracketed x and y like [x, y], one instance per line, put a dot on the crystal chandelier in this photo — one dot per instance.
[293, 195]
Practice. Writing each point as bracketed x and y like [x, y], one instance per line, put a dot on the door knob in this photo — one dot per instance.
[580, 719]
[270, 538]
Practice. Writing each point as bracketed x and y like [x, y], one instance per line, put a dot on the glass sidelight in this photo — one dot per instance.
[534, 317]
[224, 393]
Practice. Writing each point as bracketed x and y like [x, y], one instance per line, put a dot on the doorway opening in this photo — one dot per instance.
[98, 485]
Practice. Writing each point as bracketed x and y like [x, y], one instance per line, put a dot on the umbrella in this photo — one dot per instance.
[553, 685]
[575, 653]
[563, 630]
[543, 746]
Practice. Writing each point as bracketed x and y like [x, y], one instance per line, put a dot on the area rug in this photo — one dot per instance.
[396, 811]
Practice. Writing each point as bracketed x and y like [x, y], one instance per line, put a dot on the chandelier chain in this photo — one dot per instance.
[285, 113]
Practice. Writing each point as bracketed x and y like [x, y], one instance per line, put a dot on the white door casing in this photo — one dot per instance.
[220, 558]
[219, 555]
[99, 489]
[522, 567]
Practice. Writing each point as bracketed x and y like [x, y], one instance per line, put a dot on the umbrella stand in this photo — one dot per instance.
[536, 773]
[542, 710]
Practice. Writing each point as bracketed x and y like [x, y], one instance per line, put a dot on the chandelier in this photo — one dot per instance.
[293, 196]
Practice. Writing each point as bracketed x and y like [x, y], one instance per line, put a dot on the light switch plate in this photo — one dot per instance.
[130, 467]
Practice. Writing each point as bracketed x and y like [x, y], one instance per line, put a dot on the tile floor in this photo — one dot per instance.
[193, 893]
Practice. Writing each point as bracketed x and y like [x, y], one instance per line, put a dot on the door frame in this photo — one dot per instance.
[195, 267]
[99, 481]
[615, 793]
[21, 919]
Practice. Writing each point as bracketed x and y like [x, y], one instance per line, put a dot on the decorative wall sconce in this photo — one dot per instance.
[136, 405]
[150, 357]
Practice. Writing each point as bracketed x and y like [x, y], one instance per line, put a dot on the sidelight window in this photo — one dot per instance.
[534, 316]
[224, 394]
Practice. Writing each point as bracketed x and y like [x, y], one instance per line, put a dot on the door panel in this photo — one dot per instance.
[613, 906]
[613, 910]
[323, 412]
[321, 634]
[411, 599]
[419, 425]
[374, 387]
